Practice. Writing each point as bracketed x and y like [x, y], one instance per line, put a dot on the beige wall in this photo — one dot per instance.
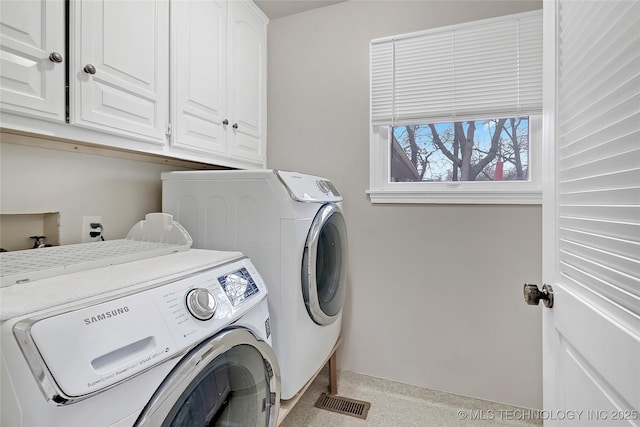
[36, 180]
[435, 294]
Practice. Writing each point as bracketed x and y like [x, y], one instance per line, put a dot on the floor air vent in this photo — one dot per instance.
[343, 405]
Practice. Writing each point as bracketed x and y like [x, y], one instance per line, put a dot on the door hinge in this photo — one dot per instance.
[168, 131]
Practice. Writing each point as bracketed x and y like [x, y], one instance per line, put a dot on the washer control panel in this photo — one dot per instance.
[238, 286]
[108, 342]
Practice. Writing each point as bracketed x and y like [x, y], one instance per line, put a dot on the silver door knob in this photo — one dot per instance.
[55, 57]
[89, 69]
[533, 295]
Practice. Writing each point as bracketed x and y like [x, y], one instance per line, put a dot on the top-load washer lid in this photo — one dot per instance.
[89, 348]
[308, 188]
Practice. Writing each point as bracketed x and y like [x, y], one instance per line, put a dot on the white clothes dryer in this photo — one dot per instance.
[291, 226]
[175, 340]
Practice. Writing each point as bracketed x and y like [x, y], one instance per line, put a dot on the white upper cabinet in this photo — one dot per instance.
[247, 82]
[120, 68]
[199, 75]
[219, 79]
[32, 62]
[178, 78]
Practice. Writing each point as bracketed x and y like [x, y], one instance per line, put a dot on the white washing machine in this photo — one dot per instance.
[291, 226]
[181, 339]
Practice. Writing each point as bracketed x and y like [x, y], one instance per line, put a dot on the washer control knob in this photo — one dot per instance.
[201, 303]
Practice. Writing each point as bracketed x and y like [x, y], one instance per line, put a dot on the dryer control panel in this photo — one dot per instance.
[88, 349]
[309, 188]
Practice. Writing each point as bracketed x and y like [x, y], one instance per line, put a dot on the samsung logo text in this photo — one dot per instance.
[106, 315]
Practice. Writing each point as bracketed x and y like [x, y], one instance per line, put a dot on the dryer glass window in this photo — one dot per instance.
[232, 390]
[330, 265]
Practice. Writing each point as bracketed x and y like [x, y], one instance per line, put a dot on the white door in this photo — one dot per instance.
[119, 73]
[32, 58]
[591, 211]
[247, 81]
[199, 75]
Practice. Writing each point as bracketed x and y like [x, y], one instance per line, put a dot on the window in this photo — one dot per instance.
[476, 150]
[455, 113]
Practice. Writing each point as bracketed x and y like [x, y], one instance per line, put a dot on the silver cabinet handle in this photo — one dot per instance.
[89, 69]
[235, 126]
[55, 57]
[225, 122]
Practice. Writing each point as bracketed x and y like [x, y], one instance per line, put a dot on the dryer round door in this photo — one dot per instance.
[230, 379]
[324, 265]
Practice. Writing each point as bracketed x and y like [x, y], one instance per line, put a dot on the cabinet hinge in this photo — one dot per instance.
[168, 131]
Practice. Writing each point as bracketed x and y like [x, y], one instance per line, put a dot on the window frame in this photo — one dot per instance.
[395, 72]
[381, 190]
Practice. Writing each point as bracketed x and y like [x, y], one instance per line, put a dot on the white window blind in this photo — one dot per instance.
[485, 69]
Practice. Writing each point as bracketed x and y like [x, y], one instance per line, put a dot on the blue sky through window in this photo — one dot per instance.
[431, 150]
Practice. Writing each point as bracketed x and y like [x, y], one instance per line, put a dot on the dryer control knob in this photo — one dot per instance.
[201, 303]
[322, 185]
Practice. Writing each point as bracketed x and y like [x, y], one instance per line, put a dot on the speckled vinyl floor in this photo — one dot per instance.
[395, 405]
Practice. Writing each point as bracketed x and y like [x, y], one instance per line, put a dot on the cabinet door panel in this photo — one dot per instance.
[247, 81]
[114, 103]
[127, 44]
[198, 62]
[31, 84]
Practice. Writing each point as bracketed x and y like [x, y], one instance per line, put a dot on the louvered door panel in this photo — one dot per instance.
[592, 333]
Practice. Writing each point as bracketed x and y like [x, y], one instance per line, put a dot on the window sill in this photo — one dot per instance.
[458, 196]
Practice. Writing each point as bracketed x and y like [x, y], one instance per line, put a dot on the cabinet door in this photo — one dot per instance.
[30, 83]
[119, 75]
[247, 81]
[198, 56]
